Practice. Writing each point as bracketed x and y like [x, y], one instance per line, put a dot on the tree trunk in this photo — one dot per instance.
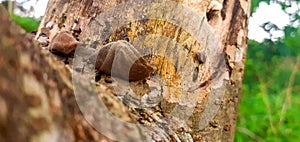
[198, 51]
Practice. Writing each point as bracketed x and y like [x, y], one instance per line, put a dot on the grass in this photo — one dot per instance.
[269, 109]
[29, 24]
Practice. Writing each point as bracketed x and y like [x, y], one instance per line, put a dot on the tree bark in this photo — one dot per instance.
[198, 51]
[36, 96]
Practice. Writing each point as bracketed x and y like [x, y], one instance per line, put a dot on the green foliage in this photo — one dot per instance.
[27, 23]
[270, 103]
[270, 80]
[255, 3]
[292, 39]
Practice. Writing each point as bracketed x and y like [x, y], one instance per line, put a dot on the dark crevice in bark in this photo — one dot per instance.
[235, 23]
[224, 9]
[210, 15]
[228, 66]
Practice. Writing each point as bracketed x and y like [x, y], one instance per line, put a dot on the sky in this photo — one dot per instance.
[39, 6]
[264, 13]
[267, 13]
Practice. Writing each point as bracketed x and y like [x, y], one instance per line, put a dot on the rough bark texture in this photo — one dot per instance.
[43, 104]
[36, 95]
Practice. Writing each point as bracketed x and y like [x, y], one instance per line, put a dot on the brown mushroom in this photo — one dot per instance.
[123, 60]
[63, 43]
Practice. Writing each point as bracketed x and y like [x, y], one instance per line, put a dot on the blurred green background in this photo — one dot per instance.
[270, 101]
